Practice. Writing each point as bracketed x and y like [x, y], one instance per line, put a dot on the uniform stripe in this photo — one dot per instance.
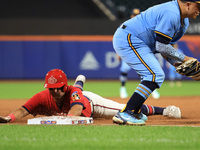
[79, 86]
[144, 89]
[123, 108]
[163, 35]
[147, 109]
[130, 44]
[143, 93]
[150, 110]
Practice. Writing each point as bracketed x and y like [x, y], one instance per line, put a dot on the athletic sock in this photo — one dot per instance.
[123, 78]
[141, 93]
[79, 84]
[123, 84]
[151, 110]
[158, 110]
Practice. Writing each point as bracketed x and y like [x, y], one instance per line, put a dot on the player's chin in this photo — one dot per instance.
[195, 16]
[56, 96]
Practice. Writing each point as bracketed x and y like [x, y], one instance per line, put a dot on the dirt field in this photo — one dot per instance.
[189, 108]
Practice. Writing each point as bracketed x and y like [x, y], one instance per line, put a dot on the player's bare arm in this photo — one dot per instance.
[15, 115]
[76, 110]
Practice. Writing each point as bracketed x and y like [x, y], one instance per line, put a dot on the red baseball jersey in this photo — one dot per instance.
[43, 103]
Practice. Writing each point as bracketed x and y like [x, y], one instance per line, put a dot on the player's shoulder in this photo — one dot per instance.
[42, 94]
[75, 93]
[169, 9]
[40, 97]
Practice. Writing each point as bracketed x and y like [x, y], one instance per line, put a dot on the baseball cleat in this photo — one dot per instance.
[80, 78]
[172, 111]
[142, 116]
[123, 93]
[126, 118]
[138, 116]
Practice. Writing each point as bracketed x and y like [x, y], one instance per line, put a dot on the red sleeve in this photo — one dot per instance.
[76, 97]
[35, 102]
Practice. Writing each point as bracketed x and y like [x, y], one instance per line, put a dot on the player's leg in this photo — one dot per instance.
[155, 94]
[152, 77]
[102, 106]
[124, 69]
[169, 111]
[79, 82]
[142, 60]
[106, 107]
[151, 110]
[172, 75]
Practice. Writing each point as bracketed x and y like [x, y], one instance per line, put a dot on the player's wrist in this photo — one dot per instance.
[10, 118]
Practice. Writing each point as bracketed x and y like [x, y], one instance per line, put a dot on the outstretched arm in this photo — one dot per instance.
[76, 110]
[15, 115]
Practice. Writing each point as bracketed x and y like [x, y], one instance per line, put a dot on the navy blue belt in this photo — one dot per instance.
[123, 26]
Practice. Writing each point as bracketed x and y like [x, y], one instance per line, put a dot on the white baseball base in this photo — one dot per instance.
[60, 120]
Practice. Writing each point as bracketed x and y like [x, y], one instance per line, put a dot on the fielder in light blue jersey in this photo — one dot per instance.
[139, 38]
[124, 69]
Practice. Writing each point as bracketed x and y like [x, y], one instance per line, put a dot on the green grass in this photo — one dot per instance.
[111, 88]
[105, 88]
[20, 89]
[98, 137]
[86, 137]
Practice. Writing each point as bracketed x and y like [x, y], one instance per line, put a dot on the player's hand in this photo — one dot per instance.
[119, 58]
[5, 119]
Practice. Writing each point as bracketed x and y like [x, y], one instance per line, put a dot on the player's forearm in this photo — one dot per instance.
[170, 53]
[76, 110]
[174, 62]
[20, 113]
[17, 114]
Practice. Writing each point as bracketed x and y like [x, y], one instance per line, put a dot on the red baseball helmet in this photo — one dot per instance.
[55, 78]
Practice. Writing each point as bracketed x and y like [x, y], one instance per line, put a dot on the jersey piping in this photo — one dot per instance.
[139, 57]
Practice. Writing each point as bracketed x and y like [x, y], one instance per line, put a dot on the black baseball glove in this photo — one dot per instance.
[190, 68]
[5, 119]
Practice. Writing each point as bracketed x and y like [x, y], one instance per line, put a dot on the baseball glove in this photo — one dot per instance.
[190, 68]
[4, 119]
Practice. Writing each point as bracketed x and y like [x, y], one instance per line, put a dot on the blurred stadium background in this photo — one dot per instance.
[73, 35]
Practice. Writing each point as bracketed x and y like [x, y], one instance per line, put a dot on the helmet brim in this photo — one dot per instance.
[56, 85]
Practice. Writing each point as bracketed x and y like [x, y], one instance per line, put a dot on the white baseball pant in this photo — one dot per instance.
[102, 106]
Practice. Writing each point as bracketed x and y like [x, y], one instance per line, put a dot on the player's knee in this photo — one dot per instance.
[160, 77]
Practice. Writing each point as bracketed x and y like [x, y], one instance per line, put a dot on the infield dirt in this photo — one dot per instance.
[190, 109]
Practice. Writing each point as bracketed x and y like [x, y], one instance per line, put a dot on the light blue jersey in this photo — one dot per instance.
[134, 41]
[162, 19]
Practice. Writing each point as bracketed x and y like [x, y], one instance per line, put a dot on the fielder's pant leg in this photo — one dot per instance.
[140, 57]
